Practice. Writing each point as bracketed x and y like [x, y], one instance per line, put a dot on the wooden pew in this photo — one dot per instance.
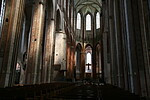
[36, 91]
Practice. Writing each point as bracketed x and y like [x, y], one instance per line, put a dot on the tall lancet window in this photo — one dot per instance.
[88, 22]
[78, 21]
[2, 11]
[97, 20]
[88, 68]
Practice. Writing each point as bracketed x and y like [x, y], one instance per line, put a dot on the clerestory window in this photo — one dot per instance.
[78, 21]
[88, 22]
[2, 11]
[97, 20]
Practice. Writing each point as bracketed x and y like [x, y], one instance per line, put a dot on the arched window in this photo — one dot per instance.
[88, 58]
[58, 21]
[88, 22]
[17, 74]
[59, 2]
[78, 21]
[97, 20]
[2, 10]
[88, 68]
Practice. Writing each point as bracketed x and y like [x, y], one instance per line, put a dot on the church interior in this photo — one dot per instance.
[74, 49]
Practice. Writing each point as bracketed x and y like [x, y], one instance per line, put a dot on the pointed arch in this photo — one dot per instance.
[88, 58]
[79, 46]
[78, 21]
[51, 9]
[97, 20]
[58, 20]
[2, 11]
[78, 68]
[88, 22]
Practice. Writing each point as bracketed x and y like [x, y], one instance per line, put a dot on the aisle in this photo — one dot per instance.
[80, 92]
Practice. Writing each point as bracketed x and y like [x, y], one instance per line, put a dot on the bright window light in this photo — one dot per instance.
[88, 22]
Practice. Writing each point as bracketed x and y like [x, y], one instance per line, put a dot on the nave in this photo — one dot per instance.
[44, 44]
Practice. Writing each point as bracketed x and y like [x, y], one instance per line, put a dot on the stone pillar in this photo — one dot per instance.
[124, 62]
[48, 47]
[51, 53]
[94, 47]
[35, 49]
[72, 61]
[127, 48]
[118, 42]
[133, 71]
[71, 64]
[83, 30]
[139, 45]
[74, 67]
[144, 22]
[112, 43]
[140, 74]
[116, 33]
[10, 39]
[82, 63]
[68, 58]
[60, 52]
[106, 65]
[78, 61]
[107, 76]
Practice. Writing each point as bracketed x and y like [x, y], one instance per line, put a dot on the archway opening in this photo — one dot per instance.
[17, 73]
[78, 62]
[58, 21]
[88, 62]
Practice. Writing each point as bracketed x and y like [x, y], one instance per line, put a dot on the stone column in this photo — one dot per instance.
[145, 22]
[70, 67]
[68, 57]
[139, 77]
[74, 67]
[133, 71]
[94, 47]
[51, 53]
[60, 52]
[138, 34]
[10, 39]
[82, 63]
[112, 43]
[72, 61]
[118, 42]
[116, 33]
[123, 46]
[35, 49]
[106, 65]
[49, 46]
[83, 26]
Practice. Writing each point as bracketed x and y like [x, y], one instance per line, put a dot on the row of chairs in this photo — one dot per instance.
[36, 91]
[109, 92]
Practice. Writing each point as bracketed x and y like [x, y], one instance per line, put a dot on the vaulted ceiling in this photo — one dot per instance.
[88, 6]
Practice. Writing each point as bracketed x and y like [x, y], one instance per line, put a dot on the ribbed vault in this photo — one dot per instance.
[88, 6]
